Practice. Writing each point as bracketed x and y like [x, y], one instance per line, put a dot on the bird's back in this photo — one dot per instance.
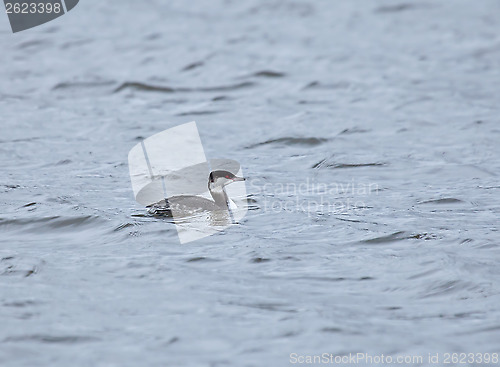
[182, 205]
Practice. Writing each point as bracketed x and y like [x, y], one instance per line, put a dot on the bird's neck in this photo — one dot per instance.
[220, 197]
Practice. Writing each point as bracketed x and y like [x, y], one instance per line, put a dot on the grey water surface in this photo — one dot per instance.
[369, 134]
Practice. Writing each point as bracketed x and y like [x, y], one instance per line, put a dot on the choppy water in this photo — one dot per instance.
[392, 106]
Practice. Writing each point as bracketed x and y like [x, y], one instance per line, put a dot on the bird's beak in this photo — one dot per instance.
[235, 178]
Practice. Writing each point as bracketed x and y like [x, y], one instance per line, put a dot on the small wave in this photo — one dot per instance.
[353, 130]
[4, 96]
[258, 260]
[442, 201]
[399, 236]
[332, 329]
[481, 330]
[449, 286]
[64, 162]
[399, 8]
[220, 98]
[20, 140]
[144, 87]
[165, 89]
[323, 86]
[34, 44]
[201, 259]
[291, 9]
[20, 304]
[312, 141]
[124, 226]
[51, 339]
[268, 306]
[331, 279]
[11, 187]
[82, 85]
[196, 113]
[325, 164]
[16, 266]
[75, 43]
[49, 223]
[193, 65]
[266, 74]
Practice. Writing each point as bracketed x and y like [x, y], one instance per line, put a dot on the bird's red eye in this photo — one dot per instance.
[227, 176]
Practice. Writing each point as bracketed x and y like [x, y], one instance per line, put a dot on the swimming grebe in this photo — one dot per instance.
[184, 205]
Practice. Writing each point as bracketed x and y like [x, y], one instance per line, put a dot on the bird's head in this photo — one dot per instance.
[220, 178]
